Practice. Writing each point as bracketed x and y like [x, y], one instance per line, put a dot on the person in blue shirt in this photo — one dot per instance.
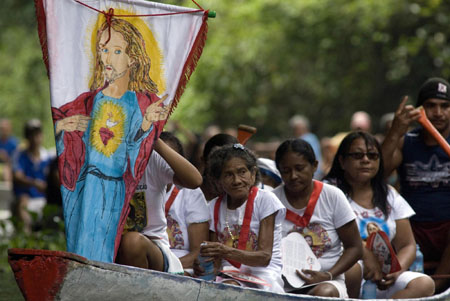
[29, 174]
[8, 143]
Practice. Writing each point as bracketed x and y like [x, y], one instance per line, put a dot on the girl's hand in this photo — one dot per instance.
[372, 268]
[388, 280]
[310, 276]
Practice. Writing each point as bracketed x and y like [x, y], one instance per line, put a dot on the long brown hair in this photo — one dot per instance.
[140, 80]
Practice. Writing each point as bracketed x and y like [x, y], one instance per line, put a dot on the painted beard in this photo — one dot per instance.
[112, 75]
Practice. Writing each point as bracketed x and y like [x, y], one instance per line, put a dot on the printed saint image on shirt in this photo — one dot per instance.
[232, 240]
[175, 234]
[137, 218]
[371, 224]
[316, 237]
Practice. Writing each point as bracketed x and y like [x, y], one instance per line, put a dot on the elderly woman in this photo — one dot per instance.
[245, 221]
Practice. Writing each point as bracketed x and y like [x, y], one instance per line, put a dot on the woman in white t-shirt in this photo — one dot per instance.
[145, 244]
[357, 169]
[245, 222]
[187, 215]
[320, 213]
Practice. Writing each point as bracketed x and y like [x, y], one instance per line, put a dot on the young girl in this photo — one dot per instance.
[321, 214]
[245, 221]
[358, 170]
[145, 244]
[187, 215]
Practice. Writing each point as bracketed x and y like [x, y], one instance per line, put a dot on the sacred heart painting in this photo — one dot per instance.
[117, 70]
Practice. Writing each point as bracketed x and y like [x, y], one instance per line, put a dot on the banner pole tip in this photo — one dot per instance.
[211, 14]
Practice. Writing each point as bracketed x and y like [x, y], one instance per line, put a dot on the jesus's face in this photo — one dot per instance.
[116, 62]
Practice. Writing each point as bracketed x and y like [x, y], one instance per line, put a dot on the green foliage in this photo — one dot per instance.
[24, 86]
[49, 235]
[266, 60]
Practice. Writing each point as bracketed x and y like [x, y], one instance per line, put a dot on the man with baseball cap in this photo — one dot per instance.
[424, 171]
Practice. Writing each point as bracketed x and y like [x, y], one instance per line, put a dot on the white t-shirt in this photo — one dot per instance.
[332, 211]
[152, 188]
[265, 204]
[397, 208]
[189, 207]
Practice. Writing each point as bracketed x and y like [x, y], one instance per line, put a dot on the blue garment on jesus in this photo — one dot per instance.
[92, 210]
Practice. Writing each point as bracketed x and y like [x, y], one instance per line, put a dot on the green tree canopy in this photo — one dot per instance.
[266, 60]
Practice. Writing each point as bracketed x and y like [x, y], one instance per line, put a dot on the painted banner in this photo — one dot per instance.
[117, 70]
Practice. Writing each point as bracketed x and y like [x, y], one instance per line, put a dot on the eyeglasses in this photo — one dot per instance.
[370, 155]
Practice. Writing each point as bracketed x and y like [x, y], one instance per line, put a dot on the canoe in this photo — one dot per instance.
[56, 275]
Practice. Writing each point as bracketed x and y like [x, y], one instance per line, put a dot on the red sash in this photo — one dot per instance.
[303, 221]
[172, 197]
[245, 229]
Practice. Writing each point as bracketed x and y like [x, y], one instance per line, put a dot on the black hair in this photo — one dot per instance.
[220, 156]
[298, 146]
[336, 174]
[171, 139]
[217, 140]
[32, 127]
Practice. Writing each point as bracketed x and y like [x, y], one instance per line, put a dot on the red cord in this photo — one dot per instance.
[110, 14]
[198, 5]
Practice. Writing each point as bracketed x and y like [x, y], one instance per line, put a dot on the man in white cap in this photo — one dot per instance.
[424, 171]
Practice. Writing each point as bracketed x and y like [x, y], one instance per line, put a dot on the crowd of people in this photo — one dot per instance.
[225, 204]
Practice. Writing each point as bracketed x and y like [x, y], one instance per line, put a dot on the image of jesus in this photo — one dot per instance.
[104, 138]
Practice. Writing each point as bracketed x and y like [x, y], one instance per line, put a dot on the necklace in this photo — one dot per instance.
[234, 239]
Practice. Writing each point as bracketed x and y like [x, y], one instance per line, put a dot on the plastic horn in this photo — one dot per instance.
[244, 133]
[423, 120]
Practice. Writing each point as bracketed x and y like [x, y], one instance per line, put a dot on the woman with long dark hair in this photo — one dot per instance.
[357, 170]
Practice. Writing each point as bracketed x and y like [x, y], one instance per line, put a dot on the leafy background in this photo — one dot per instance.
[266, 60]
